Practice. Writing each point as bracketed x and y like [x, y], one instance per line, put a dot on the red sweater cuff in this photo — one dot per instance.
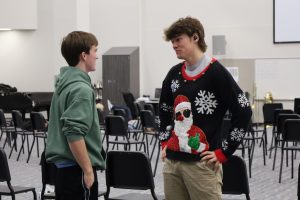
[163, 145]
[220, 156]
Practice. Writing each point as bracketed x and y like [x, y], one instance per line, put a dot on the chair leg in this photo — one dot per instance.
[12, 148]
[247, 196]
[264, 150]
[37, 147]
[153, 194]
[13, 197]
[249, 160]
[34, 194]
[281, 163]
[156, 162]
[30, 151]
[106, 196]
[1, 135]
[287, 156]
[155, 141]
[292, 167]
[147, 145]
[22, 147]
[4, 145]
[275, 153]
[273, 139]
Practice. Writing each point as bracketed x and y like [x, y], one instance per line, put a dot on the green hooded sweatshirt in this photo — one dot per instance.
[73, 116]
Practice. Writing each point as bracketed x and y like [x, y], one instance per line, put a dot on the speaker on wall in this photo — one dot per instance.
[218, 45]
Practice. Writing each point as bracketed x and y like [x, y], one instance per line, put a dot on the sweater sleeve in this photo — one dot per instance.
[237, 103]
[165, 111]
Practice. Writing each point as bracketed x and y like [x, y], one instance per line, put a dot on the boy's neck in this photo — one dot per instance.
[192, 60]
[81, 66]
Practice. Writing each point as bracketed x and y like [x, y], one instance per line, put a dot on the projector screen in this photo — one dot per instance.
[286, 21]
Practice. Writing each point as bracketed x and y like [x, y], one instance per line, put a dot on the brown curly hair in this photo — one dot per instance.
[75, 43]
[189, 26]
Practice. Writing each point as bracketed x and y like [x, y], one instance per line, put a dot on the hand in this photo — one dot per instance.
[88, 179]
[211, 160]
[164, 153]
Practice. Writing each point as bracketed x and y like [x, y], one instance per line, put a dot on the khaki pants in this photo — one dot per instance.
[191, 181]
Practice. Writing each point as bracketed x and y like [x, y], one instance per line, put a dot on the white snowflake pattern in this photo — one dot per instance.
[157, 122]
[174, 85]
[164, 135]
[166, 107]
[237, 134]
[243, 101]
[205, 103]
[225, 145]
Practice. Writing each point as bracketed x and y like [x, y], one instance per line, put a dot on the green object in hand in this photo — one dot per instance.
[194, 142]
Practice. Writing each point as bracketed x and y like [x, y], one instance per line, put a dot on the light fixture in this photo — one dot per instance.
[5, 29]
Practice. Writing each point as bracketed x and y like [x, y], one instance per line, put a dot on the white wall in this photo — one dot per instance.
[16, 14]
[115, 23]
[35, 55]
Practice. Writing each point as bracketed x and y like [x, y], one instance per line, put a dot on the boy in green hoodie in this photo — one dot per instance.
[74, 138]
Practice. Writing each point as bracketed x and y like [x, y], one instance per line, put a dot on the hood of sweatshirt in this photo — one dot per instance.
[69, 75]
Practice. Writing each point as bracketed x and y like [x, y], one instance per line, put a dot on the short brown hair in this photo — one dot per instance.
[75, 43]
[189, 26]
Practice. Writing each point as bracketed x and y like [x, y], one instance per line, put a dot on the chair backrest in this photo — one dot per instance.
[17, 119]
[38, 122]
[128, 98]
[121, 112]
[148, 119]
[297, 110]
[296, 104]
[150, 107]
[268, 112]
[235, 178]
[278, 111]
[281, 119]
[4, 168]
[291, 130]
[115, 125]
[130, 103]
[48, 171]
[129, 170]
[2, 119]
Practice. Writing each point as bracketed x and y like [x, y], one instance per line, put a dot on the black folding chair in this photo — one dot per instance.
[9, 190]
[116, 126]
[6, 128]
[290, 133]
[281, 118]
[39, 127]
[268, 113]
[20, 130]
[235, 178]
[129, 170]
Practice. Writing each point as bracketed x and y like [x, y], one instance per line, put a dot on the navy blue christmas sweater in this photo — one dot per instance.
[194, 108]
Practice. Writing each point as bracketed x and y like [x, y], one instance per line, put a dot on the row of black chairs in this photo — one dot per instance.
[282, 134]
[36, 128]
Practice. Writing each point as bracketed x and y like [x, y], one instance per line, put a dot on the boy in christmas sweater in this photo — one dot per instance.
[195, 97]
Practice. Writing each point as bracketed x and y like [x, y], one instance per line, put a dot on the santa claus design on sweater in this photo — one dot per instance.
[186, 137]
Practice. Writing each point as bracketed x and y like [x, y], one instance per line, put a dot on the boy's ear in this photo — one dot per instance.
[82, 55]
